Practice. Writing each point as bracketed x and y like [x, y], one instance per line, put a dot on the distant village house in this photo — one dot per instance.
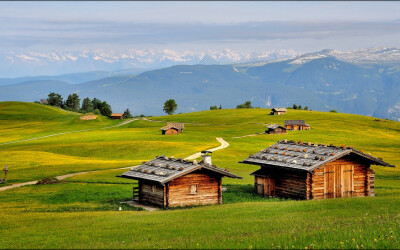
[275, 129]
[296, 125]
[278, 111]
[170, 182]
[172, 128]
[117, 116]
[300, 170]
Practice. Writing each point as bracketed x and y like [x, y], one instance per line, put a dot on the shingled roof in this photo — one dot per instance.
[304, 156]
[163, 169]
[274, 126]
[279, 109]
[295, 122]
[175, 125]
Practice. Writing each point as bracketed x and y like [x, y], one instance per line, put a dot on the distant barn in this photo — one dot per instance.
[117, 116]
[275, 129]
[172, 128]
[170, 182]
[296, 125]
[278, 111]
[300, 170]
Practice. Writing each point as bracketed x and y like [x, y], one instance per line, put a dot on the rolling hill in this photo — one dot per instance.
[83, 211]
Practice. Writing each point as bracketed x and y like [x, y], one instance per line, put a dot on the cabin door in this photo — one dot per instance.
[269, 186]
[338, 181]
[332, 183]
[259, 185]
[347, 180]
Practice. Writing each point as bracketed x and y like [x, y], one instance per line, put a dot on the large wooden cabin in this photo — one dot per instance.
[278, 111]
[172, 128]
[275, 129]
[170, 182]
[300, 170]
[296, 125]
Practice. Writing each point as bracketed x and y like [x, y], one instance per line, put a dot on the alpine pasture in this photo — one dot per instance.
[83, 211]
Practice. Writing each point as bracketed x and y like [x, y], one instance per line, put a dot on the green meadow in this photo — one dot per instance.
[83, 211]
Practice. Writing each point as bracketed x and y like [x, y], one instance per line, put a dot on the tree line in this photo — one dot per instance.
[73, 103]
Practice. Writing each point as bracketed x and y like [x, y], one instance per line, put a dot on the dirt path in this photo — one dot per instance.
[70, 132]
[249, 135]
[224, 144]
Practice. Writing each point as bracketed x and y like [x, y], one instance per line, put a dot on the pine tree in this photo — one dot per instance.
[127, 114]
[87, 105]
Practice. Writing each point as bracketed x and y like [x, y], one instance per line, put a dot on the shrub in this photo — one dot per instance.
[333, 111]
[214, 107]
[48, 180]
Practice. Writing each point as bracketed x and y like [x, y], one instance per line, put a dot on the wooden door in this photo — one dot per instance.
[347, 181]
[329, 182]
[259, 185]
[269, 186]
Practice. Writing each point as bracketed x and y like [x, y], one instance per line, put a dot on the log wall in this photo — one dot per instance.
[180, 190]
[360, 183]
[150, 193]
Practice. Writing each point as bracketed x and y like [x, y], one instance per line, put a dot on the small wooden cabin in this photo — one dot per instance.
[117, 116]
[170, 182]
[278, 111]
[275, 129]
[300, 170]
[172, 128]
[296, 125]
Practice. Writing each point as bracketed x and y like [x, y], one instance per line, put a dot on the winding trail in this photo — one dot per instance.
[70, 132]
[224, 144]
[249, 135]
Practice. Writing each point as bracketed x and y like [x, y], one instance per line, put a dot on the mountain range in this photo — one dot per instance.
[365, 82]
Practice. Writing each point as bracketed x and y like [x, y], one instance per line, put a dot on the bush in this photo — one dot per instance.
[48, 180]
[213, 107]
[333, 111]
[246, 105]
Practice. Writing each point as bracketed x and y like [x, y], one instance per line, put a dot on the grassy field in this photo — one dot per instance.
[82, 211]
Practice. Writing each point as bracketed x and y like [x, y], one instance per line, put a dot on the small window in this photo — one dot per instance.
[193, 189]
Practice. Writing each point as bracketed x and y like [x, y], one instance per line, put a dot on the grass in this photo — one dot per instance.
[82, 211]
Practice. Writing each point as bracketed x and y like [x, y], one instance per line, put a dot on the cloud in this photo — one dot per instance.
[24, 32]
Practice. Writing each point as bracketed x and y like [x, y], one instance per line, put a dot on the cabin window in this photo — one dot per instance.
[153, 189]
[193, 189]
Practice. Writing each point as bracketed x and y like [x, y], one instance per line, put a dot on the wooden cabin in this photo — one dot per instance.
[278, 111]
[275, 129]
[117, 116]
[170, 182]
[300, 170]
[296, 125]
[172, 128]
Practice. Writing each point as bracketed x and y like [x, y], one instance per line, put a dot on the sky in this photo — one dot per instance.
[199, 26]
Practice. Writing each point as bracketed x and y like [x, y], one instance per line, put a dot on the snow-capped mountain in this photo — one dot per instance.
[25, 63]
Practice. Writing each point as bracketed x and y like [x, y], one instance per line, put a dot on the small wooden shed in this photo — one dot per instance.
[170, 182]
[296, 125]
[172, 128]
[117, 116]
[275, 129]
[278, 111]
[300, 170]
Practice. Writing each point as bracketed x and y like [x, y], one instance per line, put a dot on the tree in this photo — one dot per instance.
[213, 107]
[306, 108]
[170, 106]
[105, 109]
[333, 111]
[73, 102]
[127, 114]
[299, 107]
[87, 105]
[294, 106]
[96, 103]
[97, 112]
[246, 105]
[55, 99]
[220, 107]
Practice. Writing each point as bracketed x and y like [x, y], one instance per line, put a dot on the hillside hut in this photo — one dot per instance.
[278, 111]
[300, 170]
[275, 129]
[172, 128]
[170, 182]
[296, 125]
[117, 116]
